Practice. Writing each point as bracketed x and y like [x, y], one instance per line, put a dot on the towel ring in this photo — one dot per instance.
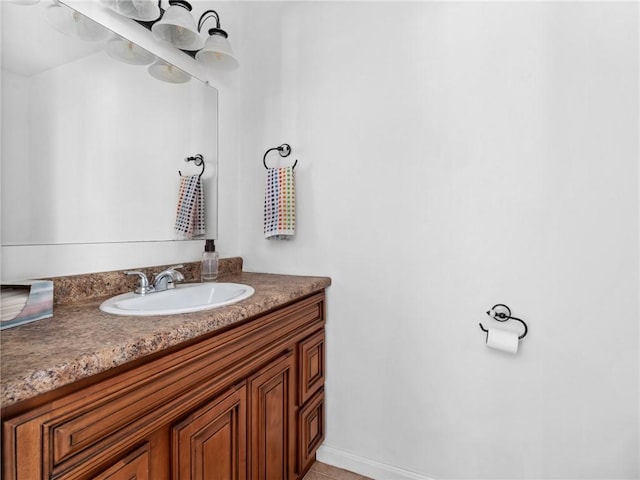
[198, 161]
[284, 150]
[502, 313]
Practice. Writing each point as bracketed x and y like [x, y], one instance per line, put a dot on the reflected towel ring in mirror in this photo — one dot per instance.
[198, 160]
[284, 150]
[502, 313]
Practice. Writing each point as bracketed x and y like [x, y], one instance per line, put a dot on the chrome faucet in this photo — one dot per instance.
[164, 280]
[167, 279]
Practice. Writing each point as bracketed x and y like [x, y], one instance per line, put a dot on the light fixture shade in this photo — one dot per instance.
[146, 10]
[143, 10]
[217, 54]
[168, 73]
[178, 27]
[68, 21]
[128, 52]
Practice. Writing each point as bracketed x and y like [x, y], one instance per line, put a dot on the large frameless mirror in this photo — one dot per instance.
[92, 142]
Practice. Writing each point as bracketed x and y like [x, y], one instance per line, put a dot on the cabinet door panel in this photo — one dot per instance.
[311, 352]
[210, 444]
[311, 429]
[271, 404]
[134, 467]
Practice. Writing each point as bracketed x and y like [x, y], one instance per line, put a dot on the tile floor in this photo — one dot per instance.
[322, 471]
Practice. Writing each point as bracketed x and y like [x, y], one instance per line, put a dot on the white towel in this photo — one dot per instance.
[190, 211]
[280, 204]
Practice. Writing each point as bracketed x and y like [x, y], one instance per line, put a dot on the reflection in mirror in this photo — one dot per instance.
[91, 145]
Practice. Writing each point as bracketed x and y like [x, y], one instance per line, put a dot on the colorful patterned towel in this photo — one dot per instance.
[279, 204]
[190, 212]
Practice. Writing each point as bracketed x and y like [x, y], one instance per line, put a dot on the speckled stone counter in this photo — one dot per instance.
[80, 341]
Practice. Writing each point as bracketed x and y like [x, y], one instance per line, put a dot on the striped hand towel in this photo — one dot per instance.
[279, 204]
[190, 211]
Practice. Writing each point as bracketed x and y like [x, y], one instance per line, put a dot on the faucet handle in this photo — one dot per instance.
[179, 277]
[166, 279]
[172, 270]
[143, 282]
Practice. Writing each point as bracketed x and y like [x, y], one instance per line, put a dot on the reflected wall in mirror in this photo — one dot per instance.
[91, 146]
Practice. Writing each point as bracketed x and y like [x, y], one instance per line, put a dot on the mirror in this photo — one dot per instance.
[92, 146]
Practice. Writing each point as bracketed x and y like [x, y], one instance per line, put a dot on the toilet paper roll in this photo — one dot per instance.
[503, 340]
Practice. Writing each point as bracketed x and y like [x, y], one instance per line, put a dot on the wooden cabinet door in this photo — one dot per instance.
[310, 430]
[210, 444]
[311, 368]
[271, 400]
[133, 467]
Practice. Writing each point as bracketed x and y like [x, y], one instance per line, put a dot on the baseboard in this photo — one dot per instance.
[364, 466]
[376, 470]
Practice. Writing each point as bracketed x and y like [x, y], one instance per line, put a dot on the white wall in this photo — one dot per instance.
[453, 156]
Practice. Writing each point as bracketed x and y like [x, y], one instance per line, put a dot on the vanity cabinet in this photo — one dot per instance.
[243, 403]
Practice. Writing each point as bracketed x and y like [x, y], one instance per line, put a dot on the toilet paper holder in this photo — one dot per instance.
[502, 313]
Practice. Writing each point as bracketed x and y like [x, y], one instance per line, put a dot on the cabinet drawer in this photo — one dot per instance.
[311, 429]
[311, 354]
[75, 431]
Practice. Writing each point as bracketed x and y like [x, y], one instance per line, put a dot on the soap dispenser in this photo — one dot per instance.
[209, 270]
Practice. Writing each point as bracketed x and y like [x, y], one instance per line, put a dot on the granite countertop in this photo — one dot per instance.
[80, 340]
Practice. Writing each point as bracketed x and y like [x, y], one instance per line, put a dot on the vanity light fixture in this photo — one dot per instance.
[216, 52]
[177, 26]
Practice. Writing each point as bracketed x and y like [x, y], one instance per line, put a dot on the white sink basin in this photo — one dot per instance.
[185, 298]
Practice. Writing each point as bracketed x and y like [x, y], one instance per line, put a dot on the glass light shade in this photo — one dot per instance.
[143, 10]
[217, 54]
[178, 27]
[168, 73]
[147, 10]
[68, 21]
[128, 52]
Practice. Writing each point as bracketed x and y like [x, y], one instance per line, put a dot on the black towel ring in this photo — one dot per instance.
[284, 150]
[198, 161]
[502, 313]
